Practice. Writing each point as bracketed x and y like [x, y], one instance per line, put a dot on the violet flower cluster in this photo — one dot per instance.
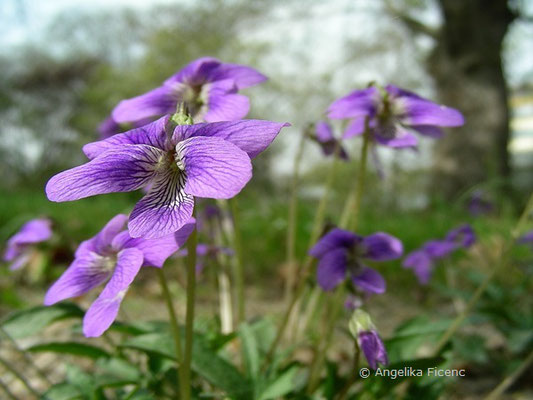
[342, 255]
[422, 261]
[391, 114]
[20, 245]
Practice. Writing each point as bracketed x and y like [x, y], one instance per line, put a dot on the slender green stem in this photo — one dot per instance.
[239, 263]
[176, 334]
[497, 392]
[29, 360]
[8, 392]
[19, 376]
[292, 218]
[189, 317]
[323, 346]
[305, 270]
[353, 374]
[481, 289]
[350, 212]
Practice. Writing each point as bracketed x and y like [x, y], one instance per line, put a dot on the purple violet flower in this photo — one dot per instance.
[19, 246]
[341, 254]
[323, 135]
[392, 114]
[113, 256]
[202, 160]
[422, 261]
[110, 127]
[373, 348]
[207, 86]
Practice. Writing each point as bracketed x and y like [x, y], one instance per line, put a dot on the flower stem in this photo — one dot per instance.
[20, 377]
[350, 212]
[239, 263]
[497, 392]
[305, 269]
[481, 289]
[189, 317]
[176, 334]
[292, 218]
[353, 373]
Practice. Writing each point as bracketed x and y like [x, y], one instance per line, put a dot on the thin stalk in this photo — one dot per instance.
[189, 317]
[176, 334]
[29, 360]
[351, 207]
[307, 264]
[498, 391]
[481, 289]
[292, 218]
[19, 376]
[355, 370]
[239, 263]
[323, 346]
[8, 392]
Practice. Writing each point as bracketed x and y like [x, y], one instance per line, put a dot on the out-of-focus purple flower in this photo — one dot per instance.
[352, 302]
[392, 114]
[478, 204]
[323, 135]
[422, 261]
[113, 256]
[201, 160]
[342, 253]
[19, 245]
[207, 86]
[526, 239]
[373, 348]
[205, 252]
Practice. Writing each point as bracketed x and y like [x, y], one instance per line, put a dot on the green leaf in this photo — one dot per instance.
[205, 362]
[250, 350]
[116, 372]
[73, 348]
[280, 386]
[63, 391]
[21, 324]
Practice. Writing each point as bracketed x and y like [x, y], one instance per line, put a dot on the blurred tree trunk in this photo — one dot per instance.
[467, 67]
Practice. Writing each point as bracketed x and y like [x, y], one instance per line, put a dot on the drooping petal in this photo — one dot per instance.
[336, 238]
[104, 310]
[33, 231]
[104, 238]
[85, 273]
[373, 348]
[156, 102]
[356, 127]
[381, 246]
[421, 264]
[215, 168]
[331, 270]
[117, 170]
[357, 104]
[242, 75]
[152, 134]
[19, 261]
[251, 135]
[164, 209]
[370, 281]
